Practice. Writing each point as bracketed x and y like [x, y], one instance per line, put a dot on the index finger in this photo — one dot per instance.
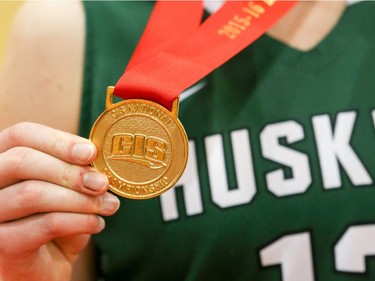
[65, 146]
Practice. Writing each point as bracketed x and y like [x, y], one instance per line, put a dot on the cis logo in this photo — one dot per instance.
[139, 149]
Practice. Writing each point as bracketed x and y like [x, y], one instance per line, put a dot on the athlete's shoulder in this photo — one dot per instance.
[47, 26]
[43, 64]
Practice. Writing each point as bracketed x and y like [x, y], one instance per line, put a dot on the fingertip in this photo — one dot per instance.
[84, 152]
[101, 223]
[95, 182]
[110, 204]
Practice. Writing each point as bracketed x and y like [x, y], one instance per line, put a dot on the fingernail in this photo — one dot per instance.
[110, 203]
[101, 223]
[95, 181]
[83, 151]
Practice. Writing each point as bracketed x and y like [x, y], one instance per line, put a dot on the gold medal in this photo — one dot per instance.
[142, 147]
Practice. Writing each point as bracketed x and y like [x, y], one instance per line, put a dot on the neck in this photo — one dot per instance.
[308, 23]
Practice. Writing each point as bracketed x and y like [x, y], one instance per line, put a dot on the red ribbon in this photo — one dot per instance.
[176, 51]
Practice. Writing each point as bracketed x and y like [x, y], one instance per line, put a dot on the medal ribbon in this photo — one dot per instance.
[176, 50]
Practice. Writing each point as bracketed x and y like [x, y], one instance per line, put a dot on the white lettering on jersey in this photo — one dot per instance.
[297, 161]
[221, 194]
[191, 190]
[293, 252]
[334, 148]
[355, 245]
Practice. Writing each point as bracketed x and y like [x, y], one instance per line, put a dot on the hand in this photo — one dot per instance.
[50, 201]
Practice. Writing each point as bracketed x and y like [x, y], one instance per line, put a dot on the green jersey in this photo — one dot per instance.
[280, 178]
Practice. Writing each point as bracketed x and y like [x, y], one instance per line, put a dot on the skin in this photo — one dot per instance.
[51, 201]
[56, 198]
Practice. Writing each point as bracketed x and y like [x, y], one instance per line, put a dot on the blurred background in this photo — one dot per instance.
[8, 9]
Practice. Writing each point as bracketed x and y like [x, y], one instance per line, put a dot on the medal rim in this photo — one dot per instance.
[181, 130]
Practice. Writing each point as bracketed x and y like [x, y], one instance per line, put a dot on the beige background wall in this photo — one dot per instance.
[8, 10]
